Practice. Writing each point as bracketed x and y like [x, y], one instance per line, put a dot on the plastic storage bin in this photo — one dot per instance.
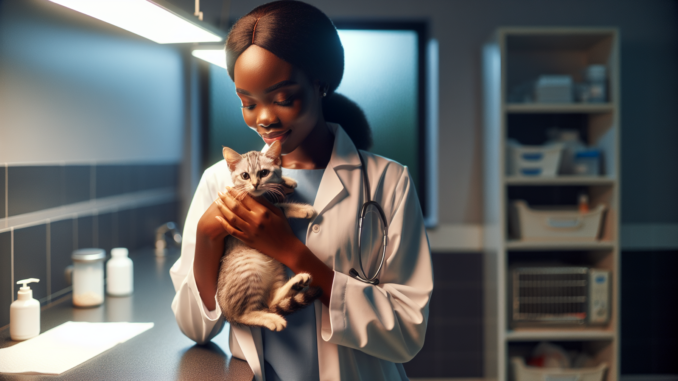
[534, 160]
[554, 223]
[522, 372]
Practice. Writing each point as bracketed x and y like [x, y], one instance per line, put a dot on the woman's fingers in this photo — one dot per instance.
[259, 205]
[230, 215]
[266, 204]
[230, 229]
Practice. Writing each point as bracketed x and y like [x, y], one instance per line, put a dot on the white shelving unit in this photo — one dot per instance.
[513, 56]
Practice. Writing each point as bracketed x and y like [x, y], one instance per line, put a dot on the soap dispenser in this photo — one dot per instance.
[24, 313]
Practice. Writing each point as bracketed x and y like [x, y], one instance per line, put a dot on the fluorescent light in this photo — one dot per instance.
[214, 56]
[144, 18]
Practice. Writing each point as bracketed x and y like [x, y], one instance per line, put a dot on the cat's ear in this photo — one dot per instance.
[232, 158]
[273, 152]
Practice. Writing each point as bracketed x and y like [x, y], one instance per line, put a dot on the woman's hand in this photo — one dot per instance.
[258, 224]
[264, 227]
[209, 227]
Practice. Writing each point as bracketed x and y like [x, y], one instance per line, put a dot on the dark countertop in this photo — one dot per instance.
[161, 353]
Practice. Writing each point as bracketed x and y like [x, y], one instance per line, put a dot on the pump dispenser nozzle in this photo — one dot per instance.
[25, 282]
[25, 291]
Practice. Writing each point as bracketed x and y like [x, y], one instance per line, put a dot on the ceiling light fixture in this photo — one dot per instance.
[155, 20]
[213, 54]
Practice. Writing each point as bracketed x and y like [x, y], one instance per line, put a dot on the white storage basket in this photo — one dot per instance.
[539, 161]
[522, 372]
[553, 224]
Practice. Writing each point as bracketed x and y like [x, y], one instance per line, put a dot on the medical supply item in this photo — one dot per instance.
[553, 89]
[24, 313]
[587, 162]
[596, 78]
[537, 161]
[571, 145]
[554, 223]
[372, 218]
[119, 273]
[584, 204]
[88, 277]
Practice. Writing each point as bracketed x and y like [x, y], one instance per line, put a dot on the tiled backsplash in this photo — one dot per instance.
[34, 188]
[42, 247]
[454, 337]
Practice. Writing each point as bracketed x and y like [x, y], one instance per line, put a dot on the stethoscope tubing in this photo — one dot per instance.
[364, 278]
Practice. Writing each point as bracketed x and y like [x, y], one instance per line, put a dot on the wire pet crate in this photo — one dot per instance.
[550, 295]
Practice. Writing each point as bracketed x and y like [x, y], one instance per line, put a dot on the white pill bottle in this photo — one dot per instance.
[119, 273]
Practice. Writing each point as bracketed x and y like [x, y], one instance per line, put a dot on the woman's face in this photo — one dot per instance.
[279, 102]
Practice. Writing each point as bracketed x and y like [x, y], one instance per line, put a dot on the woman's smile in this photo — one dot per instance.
[271, 137]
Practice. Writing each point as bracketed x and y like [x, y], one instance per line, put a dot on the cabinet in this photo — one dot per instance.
[513, 56]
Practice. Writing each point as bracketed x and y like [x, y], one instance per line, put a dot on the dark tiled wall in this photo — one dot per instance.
[34, 188]
[649, 309]
[5, 274]
[45, 248]
[454, 338]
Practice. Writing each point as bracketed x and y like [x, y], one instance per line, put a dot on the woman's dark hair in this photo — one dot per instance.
[304, 36]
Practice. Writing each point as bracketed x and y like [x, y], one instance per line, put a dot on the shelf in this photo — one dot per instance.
[558, 245]
[563, 334]
[560, 108]
[560, 180]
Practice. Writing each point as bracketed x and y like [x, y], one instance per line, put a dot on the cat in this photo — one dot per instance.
[252, 287]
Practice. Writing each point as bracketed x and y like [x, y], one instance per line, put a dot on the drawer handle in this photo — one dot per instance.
[533, 156]
[561, 377]
[564, 222]
[531, 171]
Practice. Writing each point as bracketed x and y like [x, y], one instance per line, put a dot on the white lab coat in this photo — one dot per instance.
[367, 331]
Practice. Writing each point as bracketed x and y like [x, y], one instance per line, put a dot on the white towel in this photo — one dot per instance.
[66, 346]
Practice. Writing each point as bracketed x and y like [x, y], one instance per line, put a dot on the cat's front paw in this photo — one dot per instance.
[276, 323]
[310, 212]
[301, 281]
[289, 182]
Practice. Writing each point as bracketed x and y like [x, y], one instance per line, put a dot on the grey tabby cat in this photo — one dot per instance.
[253, 288]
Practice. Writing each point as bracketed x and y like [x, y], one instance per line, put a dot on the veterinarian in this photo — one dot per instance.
[286, 60]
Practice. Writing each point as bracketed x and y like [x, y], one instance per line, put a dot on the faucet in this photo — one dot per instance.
[161, 237]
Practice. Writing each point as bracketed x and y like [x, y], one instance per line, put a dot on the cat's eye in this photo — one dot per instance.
[245, 176]
[264, 173]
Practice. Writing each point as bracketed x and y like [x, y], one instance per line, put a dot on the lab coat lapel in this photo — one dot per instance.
[333, 185]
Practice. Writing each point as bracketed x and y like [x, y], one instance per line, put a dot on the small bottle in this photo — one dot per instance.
[88, 277]
[119, 270]
[24, 313]
[583, 204]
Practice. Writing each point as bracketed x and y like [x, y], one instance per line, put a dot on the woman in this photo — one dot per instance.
[286, 60]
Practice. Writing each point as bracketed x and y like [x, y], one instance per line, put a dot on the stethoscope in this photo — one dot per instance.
[382, 218]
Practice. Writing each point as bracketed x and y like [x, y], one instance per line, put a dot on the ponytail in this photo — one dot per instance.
[337, 108]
